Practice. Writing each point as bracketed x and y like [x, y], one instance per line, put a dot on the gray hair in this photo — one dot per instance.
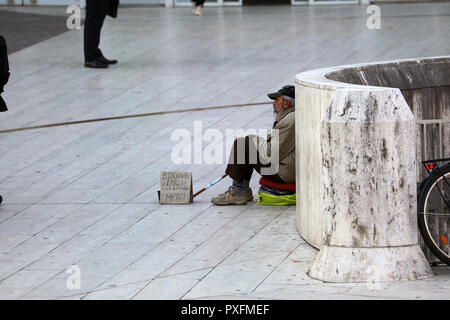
[291, 100]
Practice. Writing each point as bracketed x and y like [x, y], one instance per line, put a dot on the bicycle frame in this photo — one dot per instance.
[431, 166]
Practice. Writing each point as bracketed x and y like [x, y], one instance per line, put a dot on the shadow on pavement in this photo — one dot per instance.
[22, 30]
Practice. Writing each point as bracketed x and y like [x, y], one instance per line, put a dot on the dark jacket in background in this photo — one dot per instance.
[96, 11]
[4, 70]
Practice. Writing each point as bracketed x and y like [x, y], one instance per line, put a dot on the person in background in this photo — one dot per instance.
[96, 11]
[4, 71]
[197, 7]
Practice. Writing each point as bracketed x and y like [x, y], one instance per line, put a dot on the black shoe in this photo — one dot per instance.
[107, 61]
[96, 64]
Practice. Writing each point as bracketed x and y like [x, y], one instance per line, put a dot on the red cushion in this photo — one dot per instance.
[280, 186]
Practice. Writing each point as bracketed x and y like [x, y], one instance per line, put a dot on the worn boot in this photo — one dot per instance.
[231, 197]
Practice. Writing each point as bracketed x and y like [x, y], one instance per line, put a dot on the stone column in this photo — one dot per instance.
[368, 147]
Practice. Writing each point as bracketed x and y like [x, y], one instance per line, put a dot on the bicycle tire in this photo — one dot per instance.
[428, 192]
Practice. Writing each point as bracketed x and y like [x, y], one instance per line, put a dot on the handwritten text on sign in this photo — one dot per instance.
[176, 187]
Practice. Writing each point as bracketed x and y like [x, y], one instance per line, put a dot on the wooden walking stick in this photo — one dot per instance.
[210, 185]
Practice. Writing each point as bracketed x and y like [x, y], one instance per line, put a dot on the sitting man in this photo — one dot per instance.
[273, 158]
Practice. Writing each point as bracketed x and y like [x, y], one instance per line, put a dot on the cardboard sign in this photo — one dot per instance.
[176, 187]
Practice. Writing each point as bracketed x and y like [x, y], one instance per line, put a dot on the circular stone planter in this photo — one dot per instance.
[356, 165]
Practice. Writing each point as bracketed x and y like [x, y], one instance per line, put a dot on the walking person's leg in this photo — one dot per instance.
[198, 7]
[4, 75]
[95, 15]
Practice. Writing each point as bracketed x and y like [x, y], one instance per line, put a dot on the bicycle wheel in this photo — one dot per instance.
[434, 213]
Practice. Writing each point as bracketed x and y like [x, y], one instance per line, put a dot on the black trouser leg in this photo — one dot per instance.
[95, 15]
[244, 158]
[4, 71]
[199, 2]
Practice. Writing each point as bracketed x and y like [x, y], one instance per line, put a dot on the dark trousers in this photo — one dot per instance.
[4, 71]
[199, 2]
[95, 15]
[243, 161]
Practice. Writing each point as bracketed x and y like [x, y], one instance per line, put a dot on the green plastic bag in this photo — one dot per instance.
[266, 199]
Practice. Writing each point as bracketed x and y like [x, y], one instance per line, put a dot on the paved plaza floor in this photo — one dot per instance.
[86, 194]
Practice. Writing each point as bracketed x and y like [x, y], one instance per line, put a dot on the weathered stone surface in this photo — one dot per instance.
[368, 169]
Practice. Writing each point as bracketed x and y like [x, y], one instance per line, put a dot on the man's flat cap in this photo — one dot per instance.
[285, 91]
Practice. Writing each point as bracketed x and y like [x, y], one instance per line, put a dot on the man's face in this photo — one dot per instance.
[278, 104]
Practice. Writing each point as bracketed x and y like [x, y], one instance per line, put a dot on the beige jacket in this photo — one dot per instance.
[285, 124]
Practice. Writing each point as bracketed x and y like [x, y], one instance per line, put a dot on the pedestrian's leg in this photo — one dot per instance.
[239, 167]
[198, 7]
[95, 15]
